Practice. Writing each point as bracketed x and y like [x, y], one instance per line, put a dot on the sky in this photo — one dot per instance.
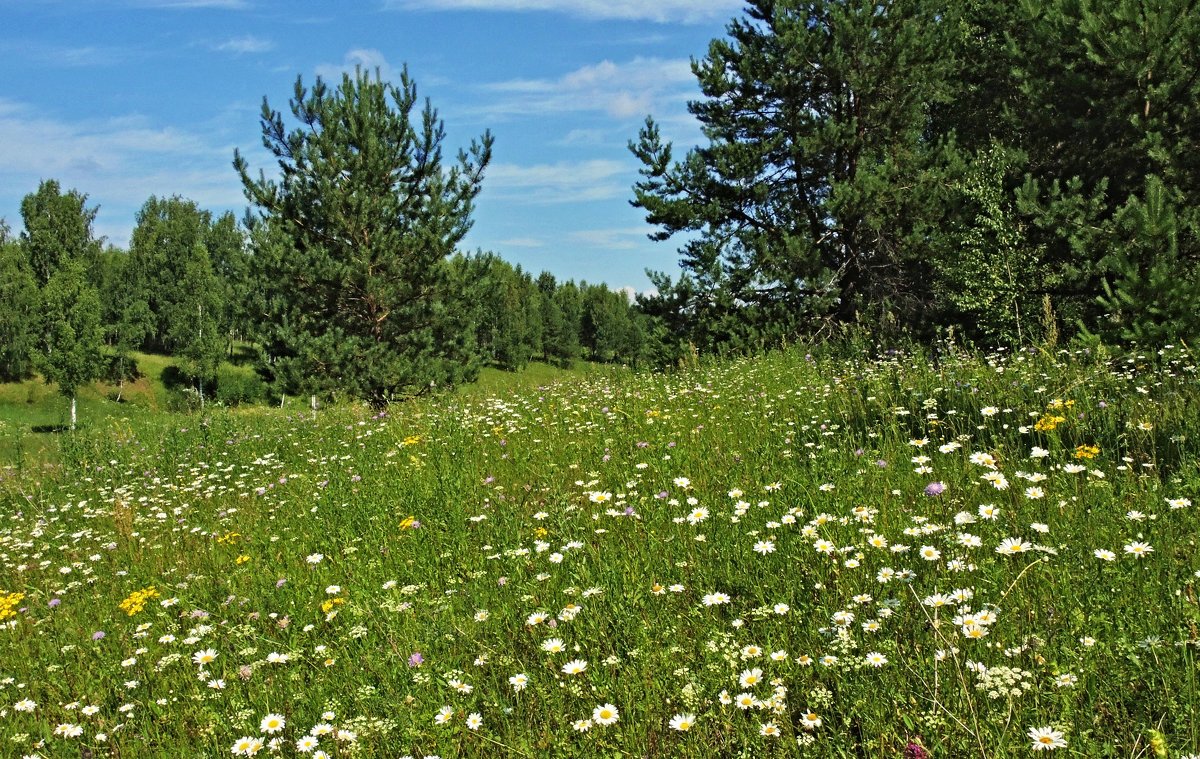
[124, 99]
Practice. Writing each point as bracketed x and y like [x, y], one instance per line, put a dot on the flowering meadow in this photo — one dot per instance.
[791, 556]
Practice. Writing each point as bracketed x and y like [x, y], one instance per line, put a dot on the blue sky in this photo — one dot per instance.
[122, 99]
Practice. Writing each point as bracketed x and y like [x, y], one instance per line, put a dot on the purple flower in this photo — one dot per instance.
[98, 635]
[55, 602]
[859, 452]
[915, 751]
[502, 581]
[279, 583]
[934, 488]
[416, 659]
[881, 464]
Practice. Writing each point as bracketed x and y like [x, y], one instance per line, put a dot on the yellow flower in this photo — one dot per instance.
[1087, 451]
[541, 532]
[407, 522]
[8, 603]
[137, 600]
[241, 559]
[1048, 422]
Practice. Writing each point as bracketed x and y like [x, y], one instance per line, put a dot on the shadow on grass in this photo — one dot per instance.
[44, 428]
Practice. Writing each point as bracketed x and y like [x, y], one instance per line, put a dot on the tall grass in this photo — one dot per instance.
[789, 556]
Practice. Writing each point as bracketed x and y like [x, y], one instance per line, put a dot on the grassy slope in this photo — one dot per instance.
[32, 413]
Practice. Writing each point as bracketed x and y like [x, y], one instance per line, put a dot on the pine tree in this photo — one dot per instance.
[355, 234]
[1152, 295]
[812, 195]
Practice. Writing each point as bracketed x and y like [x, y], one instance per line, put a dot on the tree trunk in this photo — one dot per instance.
[72, 413]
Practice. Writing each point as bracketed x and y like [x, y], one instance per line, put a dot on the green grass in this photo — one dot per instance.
[675, 532]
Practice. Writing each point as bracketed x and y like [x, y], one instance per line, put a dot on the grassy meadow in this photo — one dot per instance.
[792, 556]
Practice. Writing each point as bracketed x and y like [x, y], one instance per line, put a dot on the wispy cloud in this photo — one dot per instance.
[368, 59]
[522, 242]
[662, 11]
[119, 163]
[620, 90]
[616, 238]
[233, 5]
[66, 56]
[562, 182]
[245, 44]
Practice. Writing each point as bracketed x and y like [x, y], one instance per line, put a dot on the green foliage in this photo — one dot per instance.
[811, 194]
[70, 354]
[1154, 295]
[350, 242]
[237, 386]
[19, 311]
[58, 228]
[915, 166]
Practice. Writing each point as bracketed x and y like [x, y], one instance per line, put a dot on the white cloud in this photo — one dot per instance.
[621, 90]
[562, 182]
[368, 59]
[613, 238]
[662, 11]
[521, 242]
[118, 163]
[246, 44]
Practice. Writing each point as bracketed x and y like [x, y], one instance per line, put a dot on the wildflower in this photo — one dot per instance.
[574, 667]
[24, 705]
[929, 553]
[715, 599]
[769, 730]
[314, 558]
[1010, 546]
[581, 725]
[519, 681]
[1034, 493]
[474, 721]
[682, 722]
[444, 715]
[935, 489]
[1138, 549]
[875, 659]
[1104, 554]
[67, 730]
[605, 714]
[810, 721]
[307, 744]
[205, 656]
[764, 547]
[1046, 739]
[246, 746]
[277, 658]
[750, 677]
[272, 723]
[554, 646]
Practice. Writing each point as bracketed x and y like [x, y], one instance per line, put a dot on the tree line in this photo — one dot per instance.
[191, 286]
